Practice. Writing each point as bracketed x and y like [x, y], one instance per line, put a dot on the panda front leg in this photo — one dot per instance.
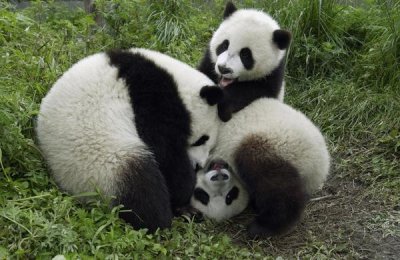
[225, 111]
[181, 180]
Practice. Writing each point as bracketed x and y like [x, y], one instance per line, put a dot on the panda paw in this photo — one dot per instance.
[189, 213]
[212, 94]
[256, 230]
[224, 112]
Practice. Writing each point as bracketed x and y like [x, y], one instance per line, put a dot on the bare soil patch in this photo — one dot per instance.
[344, 220]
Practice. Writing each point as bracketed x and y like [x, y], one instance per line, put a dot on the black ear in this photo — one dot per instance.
[282, 38]
[230, 8]
[212, 94]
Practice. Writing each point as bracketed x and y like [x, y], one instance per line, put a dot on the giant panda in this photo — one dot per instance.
[130, 124]
[219, 194]
[246, 56]
[280, 156]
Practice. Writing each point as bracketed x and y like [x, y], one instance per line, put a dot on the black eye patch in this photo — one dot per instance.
[232, 195]
[246, 56]
[202, 140]
[202, 196]
[222, 47]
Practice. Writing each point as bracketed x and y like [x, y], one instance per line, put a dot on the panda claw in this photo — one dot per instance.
[189, 213]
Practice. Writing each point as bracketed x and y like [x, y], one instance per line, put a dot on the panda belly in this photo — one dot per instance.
[280, 156]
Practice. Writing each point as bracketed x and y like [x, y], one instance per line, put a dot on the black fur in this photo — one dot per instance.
[223, 46]
[275, 187]
[202, 196]
[202, 140]
[161, 119]
[212, 94]
[230, 8]
[240, 94]
[143, 192]
[232, 195]
[246, 56]
[208, 67]
[282, 38]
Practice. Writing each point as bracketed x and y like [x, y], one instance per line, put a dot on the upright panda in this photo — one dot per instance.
[281, 157]
[246, 55]
[128, 123]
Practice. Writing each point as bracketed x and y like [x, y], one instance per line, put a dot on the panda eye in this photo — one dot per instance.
[245, 53]
[232, 195]
[202, 196]
[222, 47]
[247, 58]
[202, 140]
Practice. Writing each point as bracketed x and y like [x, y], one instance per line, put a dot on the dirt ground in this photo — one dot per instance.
[344, 220]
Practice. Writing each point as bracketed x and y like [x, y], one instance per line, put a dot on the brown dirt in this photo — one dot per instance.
[344, 220]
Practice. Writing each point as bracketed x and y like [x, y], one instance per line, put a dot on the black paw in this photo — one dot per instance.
[212, 94]
[256, 230]
[224, 112]
[189, 213]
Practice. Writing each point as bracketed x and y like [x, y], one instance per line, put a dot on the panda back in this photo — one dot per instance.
[188, 80]
[85, 127]
[286, 131]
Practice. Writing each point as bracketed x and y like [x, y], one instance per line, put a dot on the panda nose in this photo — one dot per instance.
[224, 70]
[220, 177]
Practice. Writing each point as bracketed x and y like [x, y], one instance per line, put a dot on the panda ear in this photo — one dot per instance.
[282, 38]
[212, 94]
[230, 8]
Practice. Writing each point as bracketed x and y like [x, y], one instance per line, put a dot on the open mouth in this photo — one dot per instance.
[224, 82]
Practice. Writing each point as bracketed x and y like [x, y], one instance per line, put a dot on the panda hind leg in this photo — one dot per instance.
[276, 189]
[143, 191]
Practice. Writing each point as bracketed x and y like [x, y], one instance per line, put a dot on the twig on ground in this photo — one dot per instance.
[322, 198]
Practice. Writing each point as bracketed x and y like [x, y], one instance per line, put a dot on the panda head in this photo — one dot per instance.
[205, 123]
[218, 193]
[248, 45]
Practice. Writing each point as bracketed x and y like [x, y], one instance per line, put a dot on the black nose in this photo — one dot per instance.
[220, 177]
[224, 70]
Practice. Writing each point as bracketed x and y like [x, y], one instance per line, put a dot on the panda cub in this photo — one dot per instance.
[246, 56]
[218, 193]
[280, 156]
[131, 124]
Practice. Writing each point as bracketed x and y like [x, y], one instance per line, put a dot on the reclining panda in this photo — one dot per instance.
[131, 124]
[272, 152]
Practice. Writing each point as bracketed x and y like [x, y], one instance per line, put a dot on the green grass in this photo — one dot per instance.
[343, 72]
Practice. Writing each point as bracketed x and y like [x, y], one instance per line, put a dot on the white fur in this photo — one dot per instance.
[281, 94]
[217, 208]
[86, 124]
[252, 29]
[290, 133]
[190, 81]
